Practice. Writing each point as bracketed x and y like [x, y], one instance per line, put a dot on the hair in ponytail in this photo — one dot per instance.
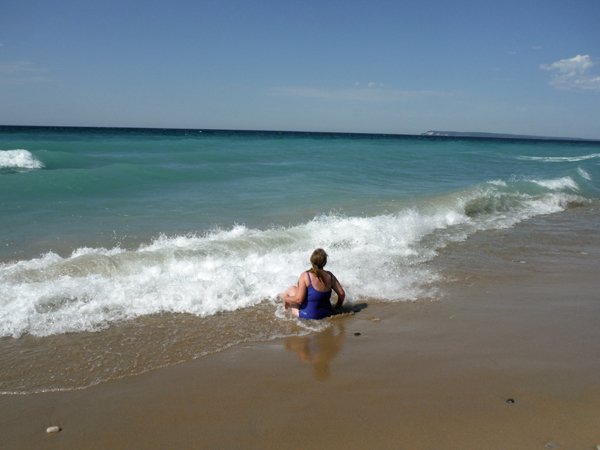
[318, 260]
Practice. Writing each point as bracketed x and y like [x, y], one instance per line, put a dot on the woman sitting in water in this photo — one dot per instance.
[310, 298]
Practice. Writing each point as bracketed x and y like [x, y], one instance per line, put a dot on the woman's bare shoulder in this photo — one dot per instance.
[304, 277]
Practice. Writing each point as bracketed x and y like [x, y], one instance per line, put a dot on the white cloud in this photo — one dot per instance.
[19, 72]
[574, 73]
[579, 64]
[373, 93]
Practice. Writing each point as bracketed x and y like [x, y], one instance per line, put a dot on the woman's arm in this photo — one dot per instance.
[297, 297]
[339, 290]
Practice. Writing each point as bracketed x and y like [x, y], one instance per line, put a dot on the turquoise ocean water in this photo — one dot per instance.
[165, 245]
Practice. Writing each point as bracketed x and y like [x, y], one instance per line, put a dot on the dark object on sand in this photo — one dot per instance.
[510, 400]
[356, 334]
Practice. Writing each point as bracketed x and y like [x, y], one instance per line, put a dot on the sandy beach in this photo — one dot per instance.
[516, 323]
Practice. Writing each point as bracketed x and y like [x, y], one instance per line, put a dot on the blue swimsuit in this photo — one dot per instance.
[316, 305]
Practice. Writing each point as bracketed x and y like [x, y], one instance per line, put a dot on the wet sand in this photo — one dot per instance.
[519, 322]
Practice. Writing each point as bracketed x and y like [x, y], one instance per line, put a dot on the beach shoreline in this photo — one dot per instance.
[427, 374]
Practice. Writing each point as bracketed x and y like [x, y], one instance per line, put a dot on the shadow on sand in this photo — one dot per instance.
[321, 348]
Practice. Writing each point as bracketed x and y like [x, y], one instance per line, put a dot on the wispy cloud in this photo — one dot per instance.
[20, 72]
[574, 73]
[370, 84]
[373, 92]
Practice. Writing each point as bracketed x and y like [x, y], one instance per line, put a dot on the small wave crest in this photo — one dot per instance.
[559, 158]
[17, 160]
[558, 184]
[584, 174]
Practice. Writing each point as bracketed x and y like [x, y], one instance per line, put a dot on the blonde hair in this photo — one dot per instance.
[318, 259]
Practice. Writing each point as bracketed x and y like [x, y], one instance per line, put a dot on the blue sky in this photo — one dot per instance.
[523, 67]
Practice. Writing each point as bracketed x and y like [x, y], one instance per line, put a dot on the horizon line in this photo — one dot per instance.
[428, 134]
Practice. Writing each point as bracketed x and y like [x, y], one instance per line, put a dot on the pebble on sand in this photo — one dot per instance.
[510, 400]
[553, 445]
[52, 429]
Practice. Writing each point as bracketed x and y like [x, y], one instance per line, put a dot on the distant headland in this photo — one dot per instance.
[499, 136]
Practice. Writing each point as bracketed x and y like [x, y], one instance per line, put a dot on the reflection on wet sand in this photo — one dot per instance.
[318, 349]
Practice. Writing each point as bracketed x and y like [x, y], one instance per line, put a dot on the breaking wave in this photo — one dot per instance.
[380, 257]
[18, 160]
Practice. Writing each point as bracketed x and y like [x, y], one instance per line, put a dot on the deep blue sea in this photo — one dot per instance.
[124, 238]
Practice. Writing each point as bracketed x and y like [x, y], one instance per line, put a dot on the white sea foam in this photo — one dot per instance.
[19, 159]
[559, 158]
[558, 183]
[225, 270]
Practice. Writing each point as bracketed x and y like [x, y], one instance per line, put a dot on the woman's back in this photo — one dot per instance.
[310, 298]
[317, 304]
[321, 286]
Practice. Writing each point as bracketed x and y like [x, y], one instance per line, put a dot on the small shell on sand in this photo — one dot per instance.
[52, 429]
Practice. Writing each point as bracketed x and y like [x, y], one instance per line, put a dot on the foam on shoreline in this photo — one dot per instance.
[378, 257]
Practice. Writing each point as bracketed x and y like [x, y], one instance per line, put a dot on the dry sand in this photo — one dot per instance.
[428, 375]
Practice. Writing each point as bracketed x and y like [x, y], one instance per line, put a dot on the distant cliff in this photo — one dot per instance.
[497, 136]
